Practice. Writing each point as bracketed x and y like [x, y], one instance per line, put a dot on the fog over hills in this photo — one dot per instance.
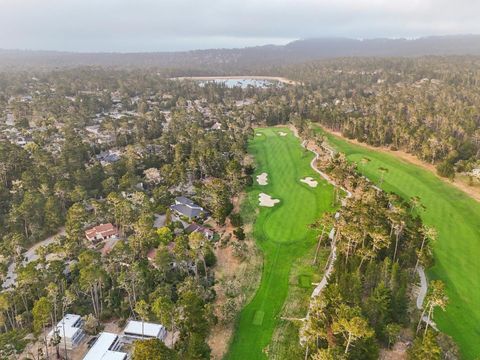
[239, 59]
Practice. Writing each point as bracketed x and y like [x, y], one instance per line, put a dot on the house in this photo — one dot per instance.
[106, 348]
[102, 232]
[108, 157]
[69, 329]
[139, 330]
[208, 233]
[152, 255]
[186, 207]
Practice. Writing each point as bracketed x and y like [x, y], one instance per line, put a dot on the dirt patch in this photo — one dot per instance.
[460, 183]
[399, 352]
[246, 275]
[266, 200]
[262, 179]
[219, 341]
[310, 181]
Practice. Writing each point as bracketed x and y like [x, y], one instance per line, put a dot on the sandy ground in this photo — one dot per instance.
[399, 352]
[267, 200]
[309, 181]
[281, 133]
[262, 179]
[253, 77]
[227, 266]
[230, 267]
[458, 183]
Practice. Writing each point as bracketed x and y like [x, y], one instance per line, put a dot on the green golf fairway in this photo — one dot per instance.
[457, 250]
[281, 232]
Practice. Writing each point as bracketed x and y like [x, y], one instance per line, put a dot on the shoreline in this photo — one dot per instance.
[412, 159]
[239, 77]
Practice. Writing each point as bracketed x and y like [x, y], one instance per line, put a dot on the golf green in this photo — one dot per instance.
[281, 232]
[457, 250]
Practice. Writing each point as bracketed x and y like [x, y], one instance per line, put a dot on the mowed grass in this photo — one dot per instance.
[281, 232]
[457, 250]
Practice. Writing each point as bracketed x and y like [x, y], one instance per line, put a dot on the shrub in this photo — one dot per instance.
[239, 233]
[236, 220]
[446, 169]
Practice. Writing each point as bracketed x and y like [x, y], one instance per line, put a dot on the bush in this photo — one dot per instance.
[239, 233]
[12, 342]
[249, 169]
[210, 258]
[236, 220]
[446, 169]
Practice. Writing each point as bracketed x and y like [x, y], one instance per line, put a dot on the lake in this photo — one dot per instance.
[240, 81]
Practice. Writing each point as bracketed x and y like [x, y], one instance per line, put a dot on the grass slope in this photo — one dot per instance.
[281, 233]
[457, 250]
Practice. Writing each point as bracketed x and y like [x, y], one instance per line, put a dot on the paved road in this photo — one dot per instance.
[29, 256]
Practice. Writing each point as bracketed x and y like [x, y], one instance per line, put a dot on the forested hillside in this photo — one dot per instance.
[249, 59]
[426, 106]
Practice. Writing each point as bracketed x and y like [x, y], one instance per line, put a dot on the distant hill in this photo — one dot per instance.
[228, 60]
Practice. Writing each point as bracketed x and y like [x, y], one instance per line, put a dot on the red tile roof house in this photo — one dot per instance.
[151, 255]
[101, 232]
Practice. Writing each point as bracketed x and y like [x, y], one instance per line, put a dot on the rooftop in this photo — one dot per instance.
[103, 349]
[185, 201]
[70, 323]
[149, 329]
[102, 229]
[186, 210]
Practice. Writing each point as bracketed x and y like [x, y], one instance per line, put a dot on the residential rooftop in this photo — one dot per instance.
[105, 348]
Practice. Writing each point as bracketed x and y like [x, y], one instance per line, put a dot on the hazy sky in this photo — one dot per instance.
[161, 25]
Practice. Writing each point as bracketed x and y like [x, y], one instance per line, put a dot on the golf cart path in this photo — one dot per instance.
[421, 297]
[402, 155]
[333, 253]
[423, 287]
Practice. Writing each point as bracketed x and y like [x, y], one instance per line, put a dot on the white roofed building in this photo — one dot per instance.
[150, 330]
[70, 328]
[106, 348]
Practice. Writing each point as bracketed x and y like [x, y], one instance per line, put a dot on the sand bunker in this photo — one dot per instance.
[262, 179]
[281, 133]
[258, 134]
[266, 200]
[309, 181]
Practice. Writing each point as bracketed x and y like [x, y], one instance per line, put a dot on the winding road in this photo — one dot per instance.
[29, 256]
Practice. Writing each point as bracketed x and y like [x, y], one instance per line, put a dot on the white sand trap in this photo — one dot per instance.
[258, 134]
[262, 179]
[266, 200]
[281, 133]
[309, 181]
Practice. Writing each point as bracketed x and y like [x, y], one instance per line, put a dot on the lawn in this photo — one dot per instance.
[457, 251]
[281, 232]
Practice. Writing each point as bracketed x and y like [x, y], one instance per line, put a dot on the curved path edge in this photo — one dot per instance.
[333, 252]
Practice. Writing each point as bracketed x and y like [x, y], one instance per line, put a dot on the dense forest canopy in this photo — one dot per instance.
[84, 146]
[426, 106]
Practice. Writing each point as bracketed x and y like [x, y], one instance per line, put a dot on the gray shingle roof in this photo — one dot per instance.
[186, 210]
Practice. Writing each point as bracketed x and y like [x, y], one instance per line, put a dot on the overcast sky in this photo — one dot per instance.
[167, 25]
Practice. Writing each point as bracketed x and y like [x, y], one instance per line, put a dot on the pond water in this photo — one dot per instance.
[243, 83]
